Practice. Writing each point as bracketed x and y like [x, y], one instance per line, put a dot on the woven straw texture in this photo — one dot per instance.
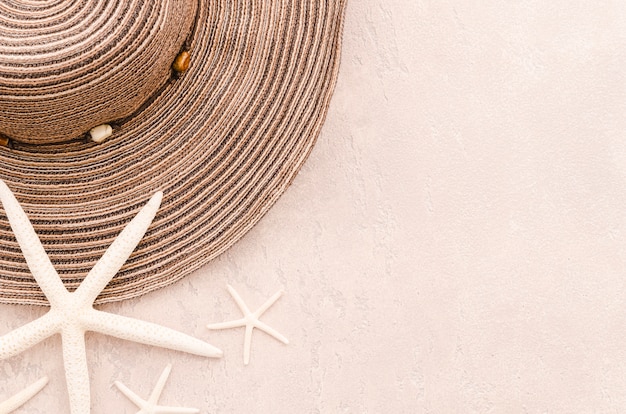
[222, 142]
[90, 63]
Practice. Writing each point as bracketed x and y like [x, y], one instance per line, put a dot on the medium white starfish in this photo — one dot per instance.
[22, 397]
[250, 320]
[71, 314]
[150, 406]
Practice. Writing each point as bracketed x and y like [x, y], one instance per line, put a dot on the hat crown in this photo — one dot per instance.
[67, 66]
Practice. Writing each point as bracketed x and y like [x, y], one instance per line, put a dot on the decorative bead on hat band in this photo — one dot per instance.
[102, 132]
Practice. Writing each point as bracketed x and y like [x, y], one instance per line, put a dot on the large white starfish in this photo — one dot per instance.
[21, 397]
[71, 314]
[250, 320]
[150, 406]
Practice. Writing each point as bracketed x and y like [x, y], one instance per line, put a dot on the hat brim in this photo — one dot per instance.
[223, 142]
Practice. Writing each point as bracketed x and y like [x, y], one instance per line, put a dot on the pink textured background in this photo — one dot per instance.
[455, 244]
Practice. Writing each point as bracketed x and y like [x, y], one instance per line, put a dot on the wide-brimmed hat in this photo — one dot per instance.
[217, 103]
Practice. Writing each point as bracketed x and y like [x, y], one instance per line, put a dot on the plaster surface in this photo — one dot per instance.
[456, 242]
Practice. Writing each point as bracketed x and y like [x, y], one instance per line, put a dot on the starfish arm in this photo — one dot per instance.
[227, 325]
[247, 344]
[242, 305]
[158, 388]
[22, 397]
[161, 409]
[137, 400]
[27, 336]
[117, 254]
[76, 371]
[36, 257]
[271, 331]
[268, 303]
[148, 333]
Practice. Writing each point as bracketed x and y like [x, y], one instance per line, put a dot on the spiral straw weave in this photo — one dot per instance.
[222, 142]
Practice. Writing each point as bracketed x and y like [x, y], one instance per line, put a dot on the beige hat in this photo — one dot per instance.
[217, 103]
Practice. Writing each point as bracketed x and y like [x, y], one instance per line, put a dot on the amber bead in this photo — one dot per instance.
[182, 61]
[4, 141]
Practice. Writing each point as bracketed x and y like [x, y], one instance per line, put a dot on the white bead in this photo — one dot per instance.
[101, 133]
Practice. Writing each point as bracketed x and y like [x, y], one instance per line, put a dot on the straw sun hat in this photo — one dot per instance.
[217, 103]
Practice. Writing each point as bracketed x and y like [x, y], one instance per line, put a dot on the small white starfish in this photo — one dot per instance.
[71, 314]
[250, 320]
[22, 397]
[150, 406]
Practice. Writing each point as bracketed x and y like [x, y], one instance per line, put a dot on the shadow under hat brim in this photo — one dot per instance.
[223, 142]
